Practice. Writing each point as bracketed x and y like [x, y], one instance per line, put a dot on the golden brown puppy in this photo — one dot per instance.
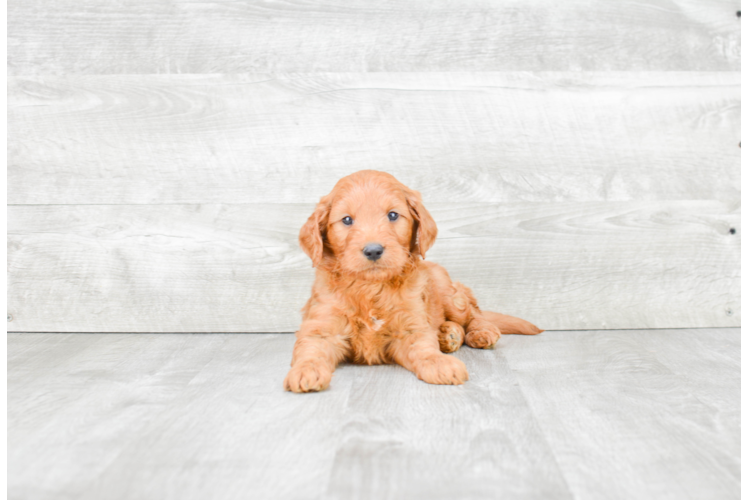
[374, 299]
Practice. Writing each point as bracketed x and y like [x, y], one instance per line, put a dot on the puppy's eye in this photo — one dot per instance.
[347, 220]
[393, 215]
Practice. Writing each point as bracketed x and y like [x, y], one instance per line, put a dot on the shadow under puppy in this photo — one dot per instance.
[374, 299]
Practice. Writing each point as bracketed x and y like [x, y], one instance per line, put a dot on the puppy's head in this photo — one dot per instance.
[370, 226]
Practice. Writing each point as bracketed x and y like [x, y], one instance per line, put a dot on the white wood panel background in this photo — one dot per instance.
[234, 268]
[147, 36]
[492, 137]
[581, 158]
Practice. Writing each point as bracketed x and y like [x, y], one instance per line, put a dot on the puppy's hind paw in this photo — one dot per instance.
[484, 336]
[451, 336]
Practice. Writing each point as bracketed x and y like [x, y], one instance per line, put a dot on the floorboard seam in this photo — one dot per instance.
[540, 428]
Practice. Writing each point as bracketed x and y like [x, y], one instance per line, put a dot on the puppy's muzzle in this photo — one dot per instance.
[373, 251]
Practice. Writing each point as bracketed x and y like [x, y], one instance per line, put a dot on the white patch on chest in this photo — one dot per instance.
[376, 324]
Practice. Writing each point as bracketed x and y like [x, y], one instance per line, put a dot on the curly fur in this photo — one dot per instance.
[398, 309]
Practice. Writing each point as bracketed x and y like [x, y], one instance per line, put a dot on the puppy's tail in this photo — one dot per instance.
[510, 324]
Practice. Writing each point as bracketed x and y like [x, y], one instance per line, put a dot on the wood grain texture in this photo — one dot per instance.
[235, 268]
[743, 415]
[743, 38]
[584, 415]
[142, 36]
[420, 441]
[456, 137]
[113, 425]
[639, 410]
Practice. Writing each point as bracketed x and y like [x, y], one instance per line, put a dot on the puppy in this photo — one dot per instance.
[375, 300]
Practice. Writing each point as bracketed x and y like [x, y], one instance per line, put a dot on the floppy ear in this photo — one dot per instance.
[312, 233]
[424, 230]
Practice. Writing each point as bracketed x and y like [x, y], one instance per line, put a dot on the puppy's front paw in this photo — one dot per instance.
[307, 376]
[451, 336]
[442, 370]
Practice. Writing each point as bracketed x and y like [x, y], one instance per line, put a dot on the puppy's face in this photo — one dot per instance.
[369, 230]
[369, 226]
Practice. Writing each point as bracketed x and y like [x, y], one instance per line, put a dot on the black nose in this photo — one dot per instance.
[373, 251]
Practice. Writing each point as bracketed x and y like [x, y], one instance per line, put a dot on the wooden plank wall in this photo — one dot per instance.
[581, 158]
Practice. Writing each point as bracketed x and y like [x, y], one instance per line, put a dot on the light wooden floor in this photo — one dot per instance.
[574, 414]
